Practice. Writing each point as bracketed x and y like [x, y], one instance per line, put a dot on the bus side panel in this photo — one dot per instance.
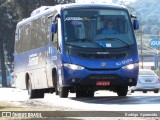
[37, 67]
[39, 78]
[33, 63]
[19, 70]
[31, 51]
[49, 68]
[20, 80]
[49, 58]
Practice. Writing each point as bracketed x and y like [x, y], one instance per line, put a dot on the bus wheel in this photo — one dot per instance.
[90, 93]
[34, 93]
[31, 93]
[122, 91]
[145, 91]
[63, 92]
[156, 91]
[40, 93]
[56, 83]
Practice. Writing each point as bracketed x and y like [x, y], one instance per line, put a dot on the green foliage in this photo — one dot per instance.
[148, 14]
[11, 12]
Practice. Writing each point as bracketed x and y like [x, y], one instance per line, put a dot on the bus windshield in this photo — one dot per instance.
[95, 28]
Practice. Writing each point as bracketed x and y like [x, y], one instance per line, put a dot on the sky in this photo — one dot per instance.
[128, 1]
[102, 1]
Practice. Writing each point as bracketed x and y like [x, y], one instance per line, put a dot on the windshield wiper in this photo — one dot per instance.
[116, 39]
[84, 40]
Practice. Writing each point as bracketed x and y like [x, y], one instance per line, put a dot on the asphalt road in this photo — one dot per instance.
[109, 101]
[103, 101]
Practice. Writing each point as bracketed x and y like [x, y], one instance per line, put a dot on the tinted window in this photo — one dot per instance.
[92, 24]
[32, 35]
[17, 40]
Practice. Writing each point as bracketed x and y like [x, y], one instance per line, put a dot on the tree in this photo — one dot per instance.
[11, 12]
[6, 37]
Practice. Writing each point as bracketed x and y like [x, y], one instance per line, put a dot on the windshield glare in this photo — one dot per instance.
[108, 28]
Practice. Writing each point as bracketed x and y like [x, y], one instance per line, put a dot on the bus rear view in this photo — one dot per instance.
[94, 58]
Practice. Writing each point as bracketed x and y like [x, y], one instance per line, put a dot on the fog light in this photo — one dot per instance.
[73, 80]
[130, 80]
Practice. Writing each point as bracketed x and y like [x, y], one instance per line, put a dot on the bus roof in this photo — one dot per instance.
[47, 9]
[91, 5]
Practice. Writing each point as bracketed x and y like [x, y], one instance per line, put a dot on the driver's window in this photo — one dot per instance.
[70, 32]
[55, 37]
[80, 31]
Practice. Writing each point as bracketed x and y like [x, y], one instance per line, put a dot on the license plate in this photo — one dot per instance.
[103, 83]
[148, 80]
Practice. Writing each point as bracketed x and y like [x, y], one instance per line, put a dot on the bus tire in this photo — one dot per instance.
[40, 93]
[122, 91]
[90, 93]
[63, 92]
[56, 83]
[34, 93]
[31, 93]
[144, 91]
[156, 91]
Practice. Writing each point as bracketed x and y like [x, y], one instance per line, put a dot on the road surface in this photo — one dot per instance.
[17, 100]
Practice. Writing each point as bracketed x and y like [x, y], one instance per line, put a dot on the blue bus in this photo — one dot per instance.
[62, 49]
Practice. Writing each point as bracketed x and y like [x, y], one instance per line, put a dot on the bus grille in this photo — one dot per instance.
[102, 56]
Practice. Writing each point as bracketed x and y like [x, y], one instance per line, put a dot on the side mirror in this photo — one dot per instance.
[135, 24]
[54, 28]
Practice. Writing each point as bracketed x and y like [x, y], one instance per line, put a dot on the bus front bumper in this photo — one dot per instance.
[91, 77]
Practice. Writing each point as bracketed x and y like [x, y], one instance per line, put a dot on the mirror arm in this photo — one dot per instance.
[133, 16]
[56, 16]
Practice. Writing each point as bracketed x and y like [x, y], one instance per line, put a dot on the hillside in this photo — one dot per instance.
[148, 15]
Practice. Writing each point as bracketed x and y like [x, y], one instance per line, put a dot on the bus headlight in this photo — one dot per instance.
[131, 66]
[73, 66]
